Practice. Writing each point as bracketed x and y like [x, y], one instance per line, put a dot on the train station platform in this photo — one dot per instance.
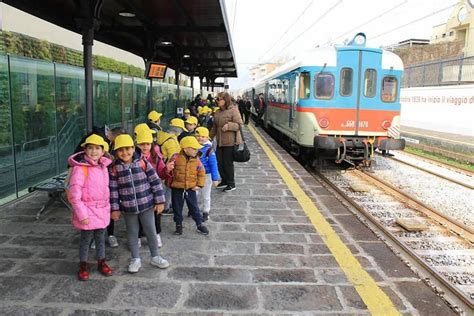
[459, 147]
[280, 244]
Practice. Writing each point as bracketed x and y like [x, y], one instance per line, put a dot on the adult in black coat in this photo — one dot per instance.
[260, 107]
[241, 105]
[247, 106]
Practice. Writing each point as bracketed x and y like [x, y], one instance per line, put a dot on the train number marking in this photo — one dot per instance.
[351, 124]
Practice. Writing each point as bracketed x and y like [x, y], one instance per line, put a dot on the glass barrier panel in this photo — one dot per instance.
[34, 121]
[115, 100]
[101, 98]
[71, 108]
[7, 165]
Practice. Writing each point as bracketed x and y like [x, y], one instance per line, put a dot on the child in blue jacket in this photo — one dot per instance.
[209, 161]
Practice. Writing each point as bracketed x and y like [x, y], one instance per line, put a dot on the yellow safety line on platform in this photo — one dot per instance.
[376, 300]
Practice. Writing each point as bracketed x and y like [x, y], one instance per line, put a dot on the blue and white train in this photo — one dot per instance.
[338, 102]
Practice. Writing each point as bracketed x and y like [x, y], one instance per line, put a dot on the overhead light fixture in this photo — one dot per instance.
[167, 43]
[127, 14]
[186, 56]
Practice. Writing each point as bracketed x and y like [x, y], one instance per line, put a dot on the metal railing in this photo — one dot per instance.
[453, 71]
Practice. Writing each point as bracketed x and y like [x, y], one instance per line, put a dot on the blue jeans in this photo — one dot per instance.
[177, 199]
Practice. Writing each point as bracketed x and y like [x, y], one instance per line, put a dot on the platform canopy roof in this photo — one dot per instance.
[189, 35]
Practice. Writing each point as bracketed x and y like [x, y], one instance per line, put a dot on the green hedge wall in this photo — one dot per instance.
[23, 45]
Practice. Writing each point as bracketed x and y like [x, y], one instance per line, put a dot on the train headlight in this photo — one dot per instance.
[324, 122]
[386, 124]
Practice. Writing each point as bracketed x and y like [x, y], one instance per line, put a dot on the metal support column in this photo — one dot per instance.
[150, 97]
[200, 85]
[88, 42]
[177, 87]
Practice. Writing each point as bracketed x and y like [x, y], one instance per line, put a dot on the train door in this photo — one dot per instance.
[294, 88]
[346, 89]
[369, 97]
[357, 86]
[265, 116]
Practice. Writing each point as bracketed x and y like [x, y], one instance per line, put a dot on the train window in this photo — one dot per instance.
[389, 89]
[285, 91]
[345, 88]
[324, 86]
[370, 83]
[304, 88]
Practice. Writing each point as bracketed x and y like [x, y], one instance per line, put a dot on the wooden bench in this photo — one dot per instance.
[56, 190]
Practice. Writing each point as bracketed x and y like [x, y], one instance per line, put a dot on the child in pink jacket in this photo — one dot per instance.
[89, 195]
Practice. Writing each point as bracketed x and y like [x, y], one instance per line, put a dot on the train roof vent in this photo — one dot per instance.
[358, 40]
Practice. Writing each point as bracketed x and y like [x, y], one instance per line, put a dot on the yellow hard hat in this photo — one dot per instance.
[154, 116]
[190, 141]
[192, 120]
[202, 131]
[142, 127]
[96, 140]
[144, 137]
[123, 140]
[187, 111]
[177, 122]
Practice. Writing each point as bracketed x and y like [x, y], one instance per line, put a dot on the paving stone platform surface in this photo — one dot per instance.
[262, 257]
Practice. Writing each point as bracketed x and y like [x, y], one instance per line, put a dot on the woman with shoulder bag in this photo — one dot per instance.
[226, 129]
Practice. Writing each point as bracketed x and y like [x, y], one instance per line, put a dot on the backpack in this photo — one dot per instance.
[85, 171]
[208, 153]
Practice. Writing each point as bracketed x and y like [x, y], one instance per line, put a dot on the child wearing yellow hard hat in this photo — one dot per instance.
[132, 177]
[186, 114]
[190, 125]
[154, 119]
[89, 182]
[209, 161]
[189, 176]
[152, 153]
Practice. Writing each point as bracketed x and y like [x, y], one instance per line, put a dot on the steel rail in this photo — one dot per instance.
[453, 294]
[466, 185]
[441, 164]
[443, 219]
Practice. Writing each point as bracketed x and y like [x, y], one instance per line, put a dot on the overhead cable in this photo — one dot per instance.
[414, 21]
[291, 25]
[319, 19]
[358, 27]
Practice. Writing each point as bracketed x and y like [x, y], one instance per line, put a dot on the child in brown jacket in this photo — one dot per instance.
[189, 176]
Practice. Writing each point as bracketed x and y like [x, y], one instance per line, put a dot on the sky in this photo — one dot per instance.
[270, 30]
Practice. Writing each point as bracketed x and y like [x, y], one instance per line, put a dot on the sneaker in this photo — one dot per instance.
[135, 265]
[179, 229]
[168, 211]
[158, 239]
[229, 188]
[159, 262]
[221, 185]
[112, 240]
[203, 230]
[205, 217]
[93, 244]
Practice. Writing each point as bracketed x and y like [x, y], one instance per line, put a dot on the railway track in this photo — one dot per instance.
[441, 251]
[437, 174]
[440, 163]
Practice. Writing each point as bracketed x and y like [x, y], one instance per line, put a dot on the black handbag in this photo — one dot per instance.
[241, 151]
